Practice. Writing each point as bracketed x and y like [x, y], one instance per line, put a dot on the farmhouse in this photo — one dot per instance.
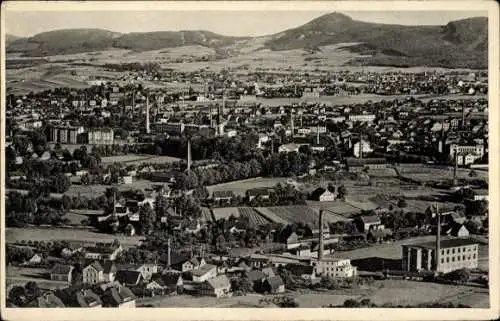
[61, 273]
[262, 193]
[219, 196]
[218, 286]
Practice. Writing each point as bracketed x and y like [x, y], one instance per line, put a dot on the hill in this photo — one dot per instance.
[458, 44]
[66, 41]
[461, 43]
[71, 41]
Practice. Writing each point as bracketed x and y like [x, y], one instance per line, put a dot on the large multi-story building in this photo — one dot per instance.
[461, 149]
[455, 254]
[100, 137]
[362, 117]
[335, 268]
[64, 134]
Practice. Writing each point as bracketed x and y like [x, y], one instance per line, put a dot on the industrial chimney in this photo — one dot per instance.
[189, 155]
[321, 237]
[438, 239]
[455, 182]
[147, 115]
[169, 252]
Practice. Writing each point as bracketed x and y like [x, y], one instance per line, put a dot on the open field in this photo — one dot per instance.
[202, 302]
[139, 159]
[412, 293]
[99, 189]
[240, 187]
[387, 291]
[14, 234]
[425, 173]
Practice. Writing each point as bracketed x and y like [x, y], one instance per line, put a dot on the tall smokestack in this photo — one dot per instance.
[317, 137]
[169, 253]
[321, 237]
[438, 239]
[189, 155]
[360, 145]
[462, 125]
[291, 119]
[455, 182]
[147, 115]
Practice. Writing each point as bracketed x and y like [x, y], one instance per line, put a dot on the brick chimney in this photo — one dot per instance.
[321, 237]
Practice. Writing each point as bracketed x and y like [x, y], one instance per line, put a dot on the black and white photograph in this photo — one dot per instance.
[319, 158]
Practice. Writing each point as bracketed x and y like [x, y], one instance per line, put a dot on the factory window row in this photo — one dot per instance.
[457, 250]
[458, 258]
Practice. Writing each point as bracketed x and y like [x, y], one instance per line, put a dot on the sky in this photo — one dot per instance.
[230, 23]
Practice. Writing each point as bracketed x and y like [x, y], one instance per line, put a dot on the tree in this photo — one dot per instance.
[459, 276]
[32, 290]
[472, 173]
[242, 285]
[17, 295]
[402, 203]
[342, 192]
[147, 218]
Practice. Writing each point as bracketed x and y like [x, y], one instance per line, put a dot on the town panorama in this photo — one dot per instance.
[339, 163]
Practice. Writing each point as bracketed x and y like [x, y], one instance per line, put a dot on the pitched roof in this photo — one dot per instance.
[46, 300]
[223, 194]
[202, 270]
[109, 267]
[299, 269]
[96, 265]
[370, 219]
[275, 281]
[87, 298]
[269, 272]
[61, 269]
[170, 279]
[255, 275]
[258, 191]
[127, 276]
[218, 282]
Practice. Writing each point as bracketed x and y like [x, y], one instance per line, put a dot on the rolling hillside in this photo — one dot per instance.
[458, 44]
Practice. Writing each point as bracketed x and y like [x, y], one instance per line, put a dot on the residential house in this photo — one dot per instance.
[204, 272]
[307, 272]
[458, 230]
[109, 271]
[182, 263]
[193, 227]
[362, 146]
[257, 261]
[256, 277]
[222, 196]
[118, 296]
[86, 298]
[289, 148]
[93, 273]
[61, 272]
[34, 260]
[273, 285]
[323, 195]
[365, 223]
[146, 269]
[128, 277]
[262, 193]
[219, 286]
[46, 300]
[102, 252]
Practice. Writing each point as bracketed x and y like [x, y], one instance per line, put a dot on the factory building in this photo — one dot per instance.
[454, 254]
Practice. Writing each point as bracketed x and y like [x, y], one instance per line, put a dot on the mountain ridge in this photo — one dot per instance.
[456, 44]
